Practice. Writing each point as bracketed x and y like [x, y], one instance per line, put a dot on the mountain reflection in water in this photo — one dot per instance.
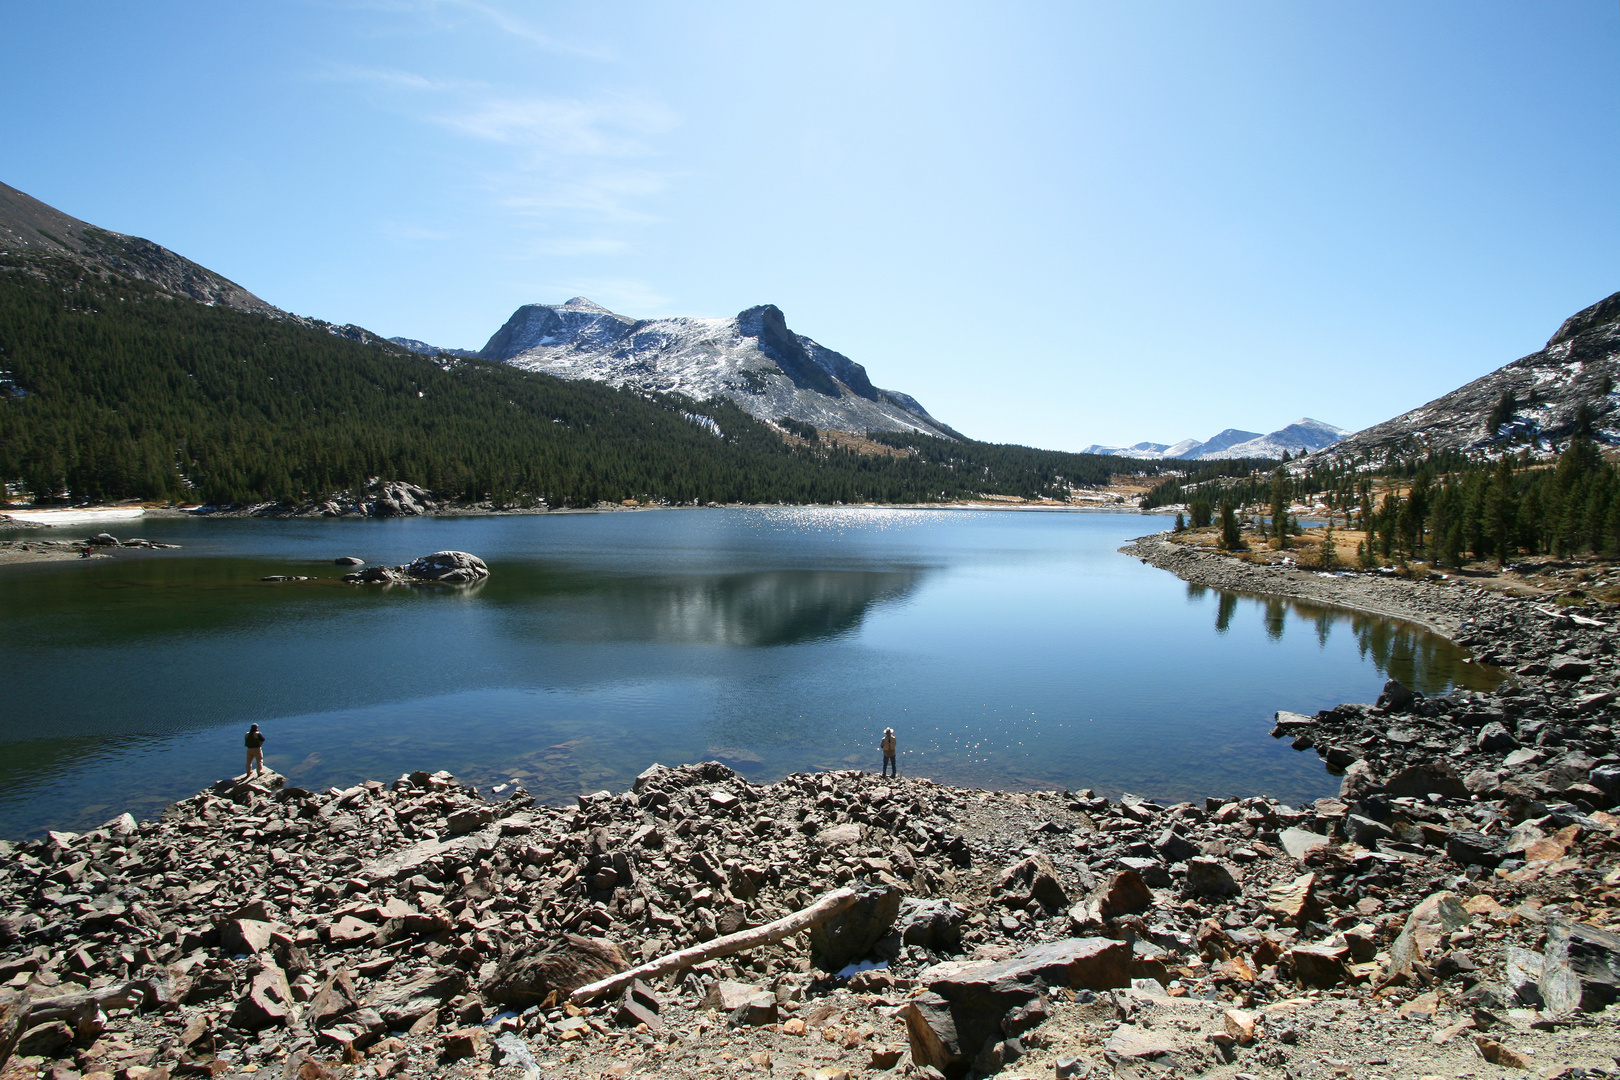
[760, 608]
[1007, 649]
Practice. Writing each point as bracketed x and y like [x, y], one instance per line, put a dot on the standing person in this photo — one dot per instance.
[255, 750]
[888, 752]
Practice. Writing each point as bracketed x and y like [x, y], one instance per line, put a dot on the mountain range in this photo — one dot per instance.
[1301, 437]
[130, 372]
[753, 359]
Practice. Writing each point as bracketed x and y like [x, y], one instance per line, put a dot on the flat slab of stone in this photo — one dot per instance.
[1300, 842]
[1092, 963]
[840, 835]
[1132, 1043]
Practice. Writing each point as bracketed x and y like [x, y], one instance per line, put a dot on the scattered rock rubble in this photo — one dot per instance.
[36, 549]
[1451, 913]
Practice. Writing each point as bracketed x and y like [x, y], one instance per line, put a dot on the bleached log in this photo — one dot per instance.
[826, 907]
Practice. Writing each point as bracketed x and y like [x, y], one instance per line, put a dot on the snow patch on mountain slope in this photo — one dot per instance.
[752, 359]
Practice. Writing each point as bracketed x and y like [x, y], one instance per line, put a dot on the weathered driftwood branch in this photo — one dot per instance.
[831, 904]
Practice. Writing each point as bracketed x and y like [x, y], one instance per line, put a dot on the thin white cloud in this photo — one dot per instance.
[513, 26]
[439, 15]
[601, 194]
[394, 79]
[623, 295]
[413, 233]
[582, 246]
[567, 169]
[609, 126]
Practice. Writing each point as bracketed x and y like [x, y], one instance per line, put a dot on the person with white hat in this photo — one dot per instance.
[888, 752]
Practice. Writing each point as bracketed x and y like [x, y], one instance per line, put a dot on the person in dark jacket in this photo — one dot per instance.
[255, 749]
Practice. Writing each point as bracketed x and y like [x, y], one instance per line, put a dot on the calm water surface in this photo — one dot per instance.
[1007, 649]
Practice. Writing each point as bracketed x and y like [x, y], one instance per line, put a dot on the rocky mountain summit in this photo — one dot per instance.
[1565, 387]
[753, 359]
[1301, 437]
[28, 225]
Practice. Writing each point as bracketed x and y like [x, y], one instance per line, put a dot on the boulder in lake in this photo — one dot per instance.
[448, 567]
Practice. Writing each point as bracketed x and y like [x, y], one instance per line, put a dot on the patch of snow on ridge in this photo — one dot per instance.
[707, 423]
[752, 359]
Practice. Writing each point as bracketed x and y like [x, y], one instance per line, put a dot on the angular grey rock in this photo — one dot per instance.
[1396, 697]
[45, 1040]
[1173, 847]
[1301, 842]
[1580, 969]
[931, 1031]
[13, 1015]
[1435, 916]
[1034, 878]
[1469, 848]
[1430, 778]
[969, 1002]
[1211, 878]
[853, 933]
[1569, 668]
[1152, 872]
[1606, 778]
[1495, 737]
[1521, 976]
[403, 1004]
[510, 1051]
[1365, 831]
[472, 819]
[935, 925]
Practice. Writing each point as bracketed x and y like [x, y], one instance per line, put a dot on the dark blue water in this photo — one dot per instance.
[1007, 649]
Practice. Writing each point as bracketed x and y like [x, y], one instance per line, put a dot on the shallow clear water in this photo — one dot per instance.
[1007, 649]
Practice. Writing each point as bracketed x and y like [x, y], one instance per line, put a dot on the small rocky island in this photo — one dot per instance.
[1450, 913]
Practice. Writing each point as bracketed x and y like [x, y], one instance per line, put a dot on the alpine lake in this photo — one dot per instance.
[1008, 649]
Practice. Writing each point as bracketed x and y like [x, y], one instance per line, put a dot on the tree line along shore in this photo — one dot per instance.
[1452, 911]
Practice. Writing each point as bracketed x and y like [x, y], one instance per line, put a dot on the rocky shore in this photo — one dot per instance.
[1452, 913]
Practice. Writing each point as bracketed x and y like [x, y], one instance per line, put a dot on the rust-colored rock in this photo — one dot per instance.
[527, 976]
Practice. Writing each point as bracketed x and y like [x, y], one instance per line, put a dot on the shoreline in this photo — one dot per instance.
[171, 513]
[1454, 911]
[1444, 608]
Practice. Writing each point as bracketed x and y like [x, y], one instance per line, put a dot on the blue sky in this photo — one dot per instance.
[1053, 224]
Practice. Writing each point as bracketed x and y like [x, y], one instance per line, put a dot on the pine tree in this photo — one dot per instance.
[1499, 510]
[1279, 506]
[1231, 534]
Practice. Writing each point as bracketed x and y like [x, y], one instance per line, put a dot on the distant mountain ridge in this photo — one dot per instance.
[1567, 385]
[752, 359]
[1301, 437]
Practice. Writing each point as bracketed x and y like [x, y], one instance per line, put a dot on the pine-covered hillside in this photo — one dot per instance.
[112, 387]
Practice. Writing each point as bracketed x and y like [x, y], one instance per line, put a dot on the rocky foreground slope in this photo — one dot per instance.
[1452, 913]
